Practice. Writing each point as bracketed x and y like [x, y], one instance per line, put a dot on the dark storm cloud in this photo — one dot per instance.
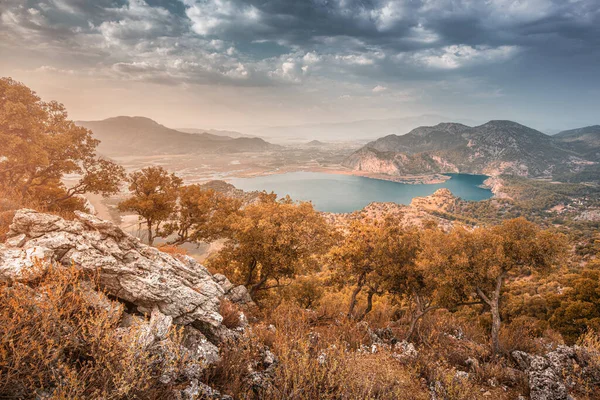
[391, 23]
[287, 41]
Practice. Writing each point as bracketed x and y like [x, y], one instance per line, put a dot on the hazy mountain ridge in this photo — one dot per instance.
[142, 136]
[359, 130]
[585, 141]
[492, 148]
[216, 133]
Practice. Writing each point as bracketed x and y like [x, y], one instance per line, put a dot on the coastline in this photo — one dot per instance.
[426, 179]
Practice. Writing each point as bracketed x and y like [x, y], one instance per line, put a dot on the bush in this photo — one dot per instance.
[232, 316]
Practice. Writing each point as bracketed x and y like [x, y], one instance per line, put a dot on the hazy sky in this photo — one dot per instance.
[236, 63]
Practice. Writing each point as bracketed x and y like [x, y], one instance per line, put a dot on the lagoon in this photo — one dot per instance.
[346, 193]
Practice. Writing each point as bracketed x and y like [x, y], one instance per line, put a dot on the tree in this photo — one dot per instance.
[477, 263]
[400, 249]
[40, 145]
[355, 260]
[271, 241]
[201, 215]
[154, 197]
[577, 308]
[379, 257]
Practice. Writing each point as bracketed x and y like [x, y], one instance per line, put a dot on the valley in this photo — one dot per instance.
[524, 178]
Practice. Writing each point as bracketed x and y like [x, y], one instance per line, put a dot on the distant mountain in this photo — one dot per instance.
[216, 132]
[361, 130]
[492, 148]
[142, 136]
[585, 141]
[316, 143]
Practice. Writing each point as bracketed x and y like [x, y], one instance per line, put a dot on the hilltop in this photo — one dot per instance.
[216, 132]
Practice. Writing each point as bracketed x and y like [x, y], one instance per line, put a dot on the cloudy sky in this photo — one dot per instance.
[243, 63]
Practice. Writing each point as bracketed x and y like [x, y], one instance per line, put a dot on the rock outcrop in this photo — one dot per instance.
[441, 200]
[137, 274]
[553, 374]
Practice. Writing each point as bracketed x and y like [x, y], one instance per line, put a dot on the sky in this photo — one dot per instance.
[242, 64]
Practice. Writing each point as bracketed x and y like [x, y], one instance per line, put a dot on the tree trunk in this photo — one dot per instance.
[421, 310]
[250, 274]
[367, 310]
[495, 325]
[415, 317]
[257, 286]
[494, 303]
[355, 293]
[150, 237]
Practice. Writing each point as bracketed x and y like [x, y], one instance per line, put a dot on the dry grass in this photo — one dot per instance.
[333, 361]
[60, 338]
[230, 313]
[587, 382]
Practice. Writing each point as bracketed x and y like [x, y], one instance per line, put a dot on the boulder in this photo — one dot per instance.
[139, 275]
[546, 373]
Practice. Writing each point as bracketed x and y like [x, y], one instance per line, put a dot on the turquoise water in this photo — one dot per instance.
[347, 193]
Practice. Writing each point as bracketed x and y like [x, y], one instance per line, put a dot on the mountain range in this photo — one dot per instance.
[121, 136]
[351, 131]
[492, 148]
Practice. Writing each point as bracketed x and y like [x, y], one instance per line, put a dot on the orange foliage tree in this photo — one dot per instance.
[272, 240]
[153, 198]
[40, 145]
[201, 215]
[477, 263]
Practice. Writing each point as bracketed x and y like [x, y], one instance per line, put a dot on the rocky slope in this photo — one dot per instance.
[171, 290]
[121, 136]
[420, 212]
[492, 148]
[585, 141]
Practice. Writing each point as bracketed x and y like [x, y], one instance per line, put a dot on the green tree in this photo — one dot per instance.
[40, 145]
[153, 198]
[271, 241]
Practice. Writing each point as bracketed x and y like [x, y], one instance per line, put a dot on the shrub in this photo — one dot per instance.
[61, 338]
[230, 313]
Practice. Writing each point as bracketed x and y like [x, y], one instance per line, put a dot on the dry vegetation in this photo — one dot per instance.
[58, 333]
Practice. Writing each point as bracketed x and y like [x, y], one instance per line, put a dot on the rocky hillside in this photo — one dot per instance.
[585, 141]
[422, 211]
[492, 148]
[121, 136]
[171, 290]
